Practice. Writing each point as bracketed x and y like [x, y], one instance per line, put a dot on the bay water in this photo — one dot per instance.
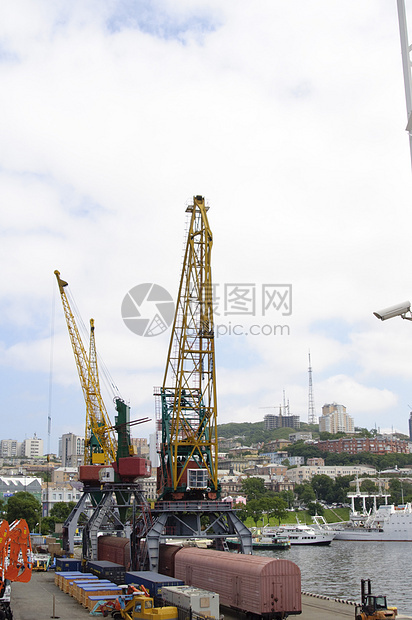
[336, 570]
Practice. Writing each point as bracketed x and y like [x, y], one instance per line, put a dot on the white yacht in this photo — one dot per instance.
[300, 534]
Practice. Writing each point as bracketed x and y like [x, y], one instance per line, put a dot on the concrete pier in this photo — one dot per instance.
[40, 599]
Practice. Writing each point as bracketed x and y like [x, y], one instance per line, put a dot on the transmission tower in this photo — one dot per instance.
[311, 404]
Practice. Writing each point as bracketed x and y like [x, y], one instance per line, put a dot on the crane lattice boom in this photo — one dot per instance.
[188, 394]
[99, 441]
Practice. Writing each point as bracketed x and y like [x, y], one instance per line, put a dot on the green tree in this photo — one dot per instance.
[395, 489]
[255, 509]
[241, 511]
[368, 486]
[61, 511]
[277, 508]
[23, 505]
[305, 492]
[47, 526]
[324, 487]
[289, 497]
[253, 488]
[314, 508]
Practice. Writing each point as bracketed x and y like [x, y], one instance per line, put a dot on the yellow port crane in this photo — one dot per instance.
[99, 441]
[188, 407]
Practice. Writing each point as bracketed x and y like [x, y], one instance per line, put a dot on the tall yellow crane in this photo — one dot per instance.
[188, 453]
[99, 440]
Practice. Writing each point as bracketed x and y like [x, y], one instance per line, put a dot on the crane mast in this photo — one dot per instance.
[100, 443]
[188, 452]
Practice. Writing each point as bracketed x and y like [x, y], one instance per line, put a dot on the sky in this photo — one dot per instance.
[288, 117]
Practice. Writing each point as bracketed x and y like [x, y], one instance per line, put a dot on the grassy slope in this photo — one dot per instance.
[304, 517]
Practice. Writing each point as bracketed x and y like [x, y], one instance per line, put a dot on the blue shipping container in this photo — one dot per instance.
[65, 565]
[153, 582]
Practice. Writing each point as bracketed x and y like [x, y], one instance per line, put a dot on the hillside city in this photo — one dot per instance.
[282, 457]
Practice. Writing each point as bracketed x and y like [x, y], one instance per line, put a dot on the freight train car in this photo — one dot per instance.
[256, 585]
[114, 549]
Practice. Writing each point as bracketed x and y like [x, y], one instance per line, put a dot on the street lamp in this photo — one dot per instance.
[403, 310]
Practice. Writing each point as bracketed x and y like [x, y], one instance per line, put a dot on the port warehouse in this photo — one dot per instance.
[265, 587]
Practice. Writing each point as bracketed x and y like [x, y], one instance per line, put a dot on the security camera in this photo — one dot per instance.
[398, 310]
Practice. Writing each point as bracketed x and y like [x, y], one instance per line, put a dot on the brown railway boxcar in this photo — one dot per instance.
[256, 585]
[167, 555]
[114, 549]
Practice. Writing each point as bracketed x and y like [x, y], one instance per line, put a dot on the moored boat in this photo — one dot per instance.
[301, 534]
[270, 541]
[386, 523]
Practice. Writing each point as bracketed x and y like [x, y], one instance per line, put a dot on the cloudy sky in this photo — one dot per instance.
[289, 117]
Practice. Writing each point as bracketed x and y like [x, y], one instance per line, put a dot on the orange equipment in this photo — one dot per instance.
[16, 560]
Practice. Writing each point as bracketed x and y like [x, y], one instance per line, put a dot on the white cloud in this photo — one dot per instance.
[289, 119]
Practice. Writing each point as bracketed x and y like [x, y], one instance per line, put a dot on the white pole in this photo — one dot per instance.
[406, 63]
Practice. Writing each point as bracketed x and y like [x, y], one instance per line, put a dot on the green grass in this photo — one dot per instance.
[304, 517]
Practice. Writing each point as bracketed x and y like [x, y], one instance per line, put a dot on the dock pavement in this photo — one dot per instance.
[41, 599]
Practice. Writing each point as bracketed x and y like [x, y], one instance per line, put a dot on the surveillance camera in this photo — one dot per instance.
[398, 310]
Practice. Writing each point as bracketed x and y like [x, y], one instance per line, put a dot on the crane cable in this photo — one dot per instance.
[104, 373]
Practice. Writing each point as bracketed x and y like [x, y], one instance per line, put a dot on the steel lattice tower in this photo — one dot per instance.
[311, 404]
[189, 415]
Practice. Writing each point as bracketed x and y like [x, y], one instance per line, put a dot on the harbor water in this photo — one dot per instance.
[336, 570]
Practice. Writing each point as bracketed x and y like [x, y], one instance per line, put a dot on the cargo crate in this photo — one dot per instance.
[67, 564]
[153, 582]
[107, 570]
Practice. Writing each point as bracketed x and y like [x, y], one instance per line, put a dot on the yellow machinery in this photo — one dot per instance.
[132, 607]
[188, 394]
[100, 442]
[373, 607]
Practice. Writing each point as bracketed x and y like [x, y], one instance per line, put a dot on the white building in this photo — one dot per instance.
[306, 472]
[72, 447]
[54, 493]
[149, 487]
[154, 438]
[32, 448]
[10, 448]
[334, 419]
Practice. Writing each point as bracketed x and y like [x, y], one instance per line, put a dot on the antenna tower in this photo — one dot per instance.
[311, 405]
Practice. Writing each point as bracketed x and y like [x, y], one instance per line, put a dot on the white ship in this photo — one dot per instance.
[387, 523]
[301, 534]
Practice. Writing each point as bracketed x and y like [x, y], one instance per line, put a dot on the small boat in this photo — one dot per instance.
[265, 541]
[271, 541]
[301, 534]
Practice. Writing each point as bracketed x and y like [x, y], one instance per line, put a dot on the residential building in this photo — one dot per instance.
[51, 494]
[32, 448]
[301, 436]
[226, 443]
[278, 444]
[354, 445]
[141, 447]
[231, 485]
[334, 419]
[72, 447]
[272, 421]
[64, 474]
[10, 448]
[315, 461]
[237, 464]
[410, 426]
[266, 470]
[243, 450]
[305, 473]
[149, 487]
